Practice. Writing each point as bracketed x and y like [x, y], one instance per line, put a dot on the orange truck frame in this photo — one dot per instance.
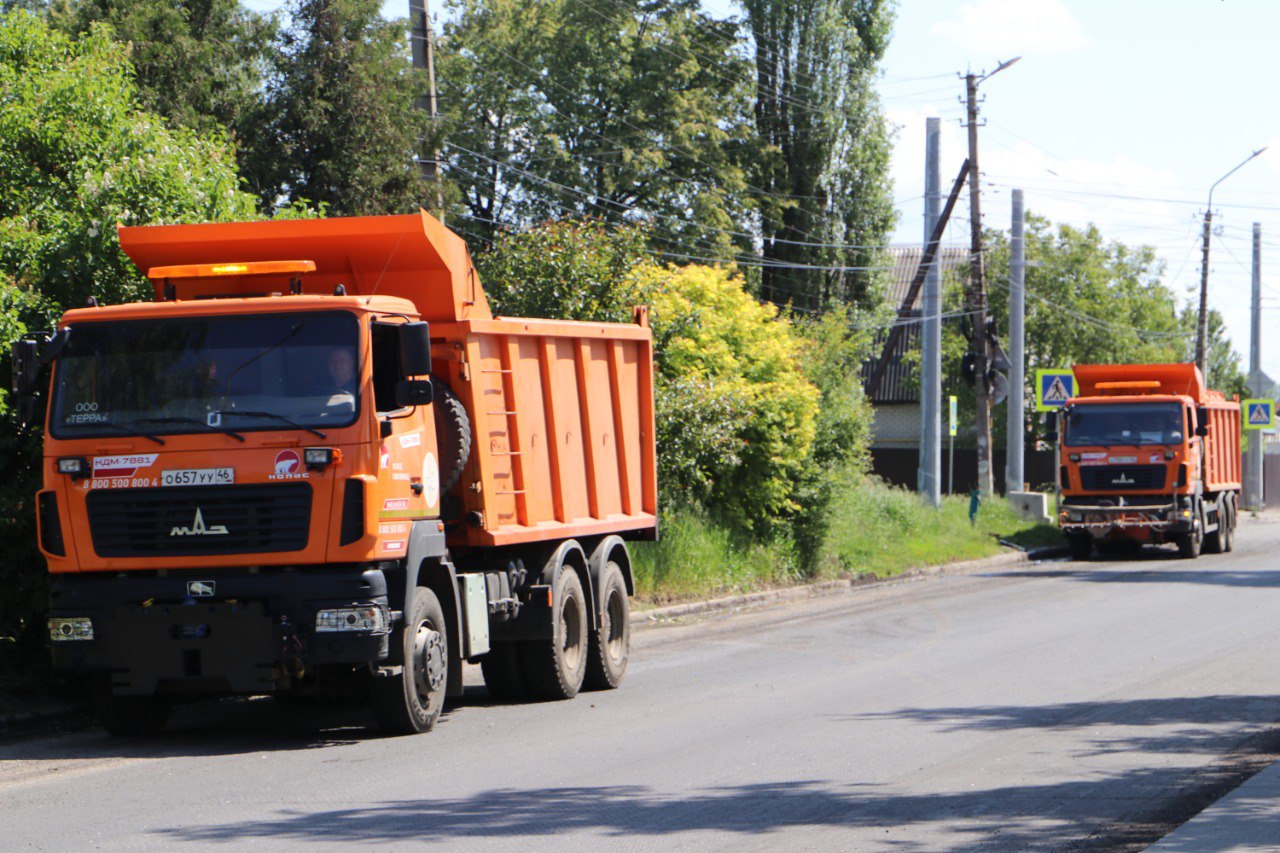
[1149, 454]
[316, 464]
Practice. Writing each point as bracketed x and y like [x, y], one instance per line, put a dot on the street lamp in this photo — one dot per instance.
[1202, 327]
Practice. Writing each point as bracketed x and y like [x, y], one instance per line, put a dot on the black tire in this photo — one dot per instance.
[410, 701]
[131, 716]
[1229, 537]
[453, 435]
[503, 672]
[1189, 544]
[555, 668]
[610, 644]
[1081, 545]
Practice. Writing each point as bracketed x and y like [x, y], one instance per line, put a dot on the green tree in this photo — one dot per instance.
[199, 63]
[77, 156]
[628, 110]
[339, 125]
[823, 183]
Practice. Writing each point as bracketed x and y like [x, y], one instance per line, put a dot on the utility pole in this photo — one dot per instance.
[1253, 456]
[424, 58]
[976, 294]
[1202, 326]
[929, 474]
[1014, 477]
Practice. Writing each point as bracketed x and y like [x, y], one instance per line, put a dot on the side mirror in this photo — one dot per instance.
[413, 392]
[1202, 430]
[26, 363]
[1051, 436]
[415, 349]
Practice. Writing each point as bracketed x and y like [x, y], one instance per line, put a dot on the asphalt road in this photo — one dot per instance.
[1056, 707]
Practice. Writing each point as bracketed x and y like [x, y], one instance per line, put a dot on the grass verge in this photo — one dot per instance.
[871, 528]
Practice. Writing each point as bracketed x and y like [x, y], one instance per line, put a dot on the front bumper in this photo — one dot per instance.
[254, 634]
[1153, 515]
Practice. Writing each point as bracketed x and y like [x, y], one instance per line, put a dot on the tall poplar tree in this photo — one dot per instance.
[825, 196]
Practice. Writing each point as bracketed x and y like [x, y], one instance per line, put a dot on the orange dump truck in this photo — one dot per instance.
[1149, 454]
[316, 464]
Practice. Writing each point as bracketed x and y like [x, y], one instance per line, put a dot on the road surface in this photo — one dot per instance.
[1065, 706]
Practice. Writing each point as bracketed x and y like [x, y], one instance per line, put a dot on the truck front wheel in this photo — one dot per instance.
[1189, 543]
[1081, 545]
[611, 643]
[410, 701]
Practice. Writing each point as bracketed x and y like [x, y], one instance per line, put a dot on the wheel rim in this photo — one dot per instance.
[572, 621]
[615, 641]
[428, 662]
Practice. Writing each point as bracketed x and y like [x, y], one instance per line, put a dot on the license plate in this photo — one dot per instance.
[198, 477]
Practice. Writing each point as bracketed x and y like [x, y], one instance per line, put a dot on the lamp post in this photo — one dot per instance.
[1202, 327]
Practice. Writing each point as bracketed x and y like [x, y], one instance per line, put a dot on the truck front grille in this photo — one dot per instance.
[1123, 478]
[198, 521]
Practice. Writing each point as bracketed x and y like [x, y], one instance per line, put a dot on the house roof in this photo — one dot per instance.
[898, 384]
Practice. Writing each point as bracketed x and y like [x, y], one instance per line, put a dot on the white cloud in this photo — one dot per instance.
[1013, 27]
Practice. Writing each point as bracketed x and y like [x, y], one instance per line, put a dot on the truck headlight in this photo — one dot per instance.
[370, 618]
[75, 628]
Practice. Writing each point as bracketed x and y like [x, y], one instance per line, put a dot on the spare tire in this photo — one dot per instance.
[453, 435]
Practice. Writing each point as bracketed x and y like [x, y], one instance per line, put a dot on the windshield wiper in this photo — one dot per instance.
[179, 419]
[273, 416]
[157, 439]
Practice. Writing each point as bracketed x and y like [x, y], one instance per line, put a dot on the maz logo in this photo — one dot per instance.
[1122, 480]
[198, 528]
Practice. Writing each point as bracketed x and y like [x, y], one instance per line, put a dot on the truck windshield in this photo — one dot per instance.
[1106, 424]
[193, 374]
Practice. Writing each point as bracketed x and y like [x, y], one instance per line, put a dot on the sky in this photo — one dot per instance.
[1120, 113]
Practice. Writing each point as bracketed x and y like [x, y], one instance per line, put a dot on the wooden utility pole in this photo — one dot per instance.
[976, 299]
[424, 58]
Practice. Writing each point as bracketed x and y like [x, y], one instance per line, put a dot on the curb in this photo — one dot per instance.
[662, 615]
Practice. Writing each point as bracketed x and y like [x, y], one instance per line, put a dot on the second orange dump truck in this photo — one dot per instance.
[316, 464]
[1149, 454]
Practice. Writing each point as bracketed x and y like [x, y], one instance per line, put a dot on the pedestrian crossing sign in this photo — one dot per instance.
[1259, 414]
[1054, 388]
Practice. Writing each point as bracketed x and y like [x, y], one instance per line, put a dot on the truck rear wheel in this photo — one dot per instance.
[411, 701]
[555, 668]
[131, 716]
[610, 644]
[1229, 543]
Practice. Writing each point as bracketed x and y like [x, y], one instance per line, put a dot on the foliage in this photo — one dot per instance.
[823, 178]
[631, 110]
[339, 122]
[835, 347]
[77, 156]
[567, 270]
[198, 63]
[708, 328]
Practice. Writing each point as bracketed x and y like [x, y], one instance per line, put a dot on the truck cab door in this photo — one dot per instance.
[408, 473]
